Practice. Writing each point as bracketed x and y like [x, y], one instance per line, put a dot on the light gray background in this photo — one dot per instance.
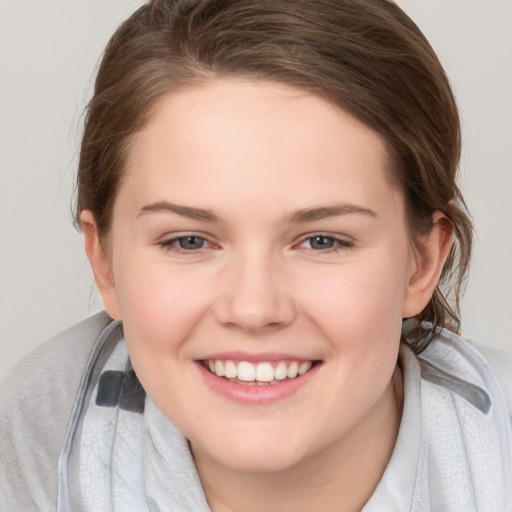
[48, 52]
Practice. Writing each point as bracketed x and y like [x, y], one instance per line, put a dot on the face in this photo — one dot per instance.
[256, 235]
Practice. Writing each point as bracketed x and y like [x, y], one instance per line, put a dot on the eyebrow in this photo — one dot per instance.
[312, 214]
[185, 211]
[297, 217]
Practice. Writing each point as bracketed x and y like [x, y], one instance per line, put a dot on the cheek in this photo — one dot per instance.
[358, 306]
[161, 311]
[160, 308]
[372, 285]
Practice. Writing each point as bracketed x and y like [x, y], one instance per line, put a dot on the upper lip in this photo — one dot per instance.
[255, 357]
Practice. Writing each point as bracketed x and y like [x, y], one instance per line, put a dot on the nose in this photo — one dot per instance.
[256, 296]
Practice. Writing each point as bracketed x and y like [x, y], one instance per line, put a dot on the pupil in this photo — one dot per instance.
[322, 242]
[191, 242]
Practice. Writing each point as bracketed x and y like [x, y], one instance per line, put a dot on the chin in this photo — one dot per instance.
[249, 456]
[260, 463]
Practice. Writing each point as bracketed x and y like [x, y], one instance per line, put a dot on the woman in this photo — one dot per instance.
[267, 191]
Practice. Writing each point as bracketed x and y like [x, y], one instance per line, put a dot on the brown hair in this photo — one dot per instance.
[365, 56]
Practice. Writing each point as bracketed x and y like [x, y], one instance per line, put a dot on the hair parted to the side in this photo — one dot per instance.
[365, 56]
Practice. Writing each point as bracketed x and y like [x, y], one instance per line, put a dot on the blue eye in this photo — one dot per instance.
[185, 243]
[191, 243]
[325, 243]
[321, 242]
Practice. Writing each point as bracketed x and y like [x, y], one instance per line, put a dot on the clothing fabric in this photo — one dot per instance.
[36, 399]
[78, 399]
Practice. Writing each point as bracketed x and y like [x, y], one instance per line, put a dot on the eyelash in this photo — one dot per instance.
[338, 243]
[173, 244]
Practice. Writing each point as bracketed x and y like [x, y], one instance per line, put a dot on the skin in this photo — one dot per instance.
[253, 155]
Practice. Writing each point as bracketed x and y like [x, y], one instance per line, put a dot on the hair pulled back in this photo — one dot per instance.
[365, 56]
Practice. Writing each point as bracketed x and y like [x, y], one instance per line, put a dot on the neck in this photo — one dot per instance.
[341, 477]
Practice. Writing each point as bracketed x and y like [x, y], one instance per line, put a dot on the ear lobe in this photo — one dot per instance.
[100, 264]
[429, 260]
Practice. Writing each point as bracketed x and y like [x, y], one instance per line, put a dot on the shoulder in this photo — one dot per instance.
[483, 365]
[466, 426]
[45, 377]
[36, 399]
[501, 362]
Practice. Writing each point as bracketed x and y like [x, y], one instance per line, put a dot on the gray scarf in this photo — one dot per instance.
[121, 454]
[453, 452]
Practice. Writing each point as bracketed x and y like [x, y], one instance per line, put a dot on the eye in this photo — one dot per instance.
[190, 243]
[324, 243]
[186, 243]
[321, 242]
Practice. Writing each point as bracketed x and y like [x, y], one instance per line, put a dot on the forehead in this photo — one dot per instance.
[239, 138]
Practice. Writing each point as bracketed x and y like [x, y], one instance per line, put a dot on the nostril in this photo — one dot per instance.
[253, 295]
[256, 314]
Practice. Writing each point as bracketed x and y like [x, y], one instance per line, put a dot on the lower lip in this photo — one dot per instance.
[256, 394]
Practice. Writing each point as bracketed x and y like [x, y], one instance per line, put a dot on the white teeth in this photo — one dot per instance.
[219, 369]
[262, 372]
[246, 372]
[230, 370]
[281, 372]
[304, 367]
[293, 369]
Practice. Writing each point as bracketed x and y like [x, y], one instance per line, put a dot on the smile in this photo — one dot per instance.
[260, 374]
[257, 382]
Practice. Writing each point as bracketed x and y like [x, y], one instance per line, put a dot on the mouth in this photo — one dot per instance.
[265, 373]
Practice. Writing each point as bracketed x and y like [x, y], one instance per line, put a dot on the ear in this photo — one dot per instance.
[100, 264]
[427, 264]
